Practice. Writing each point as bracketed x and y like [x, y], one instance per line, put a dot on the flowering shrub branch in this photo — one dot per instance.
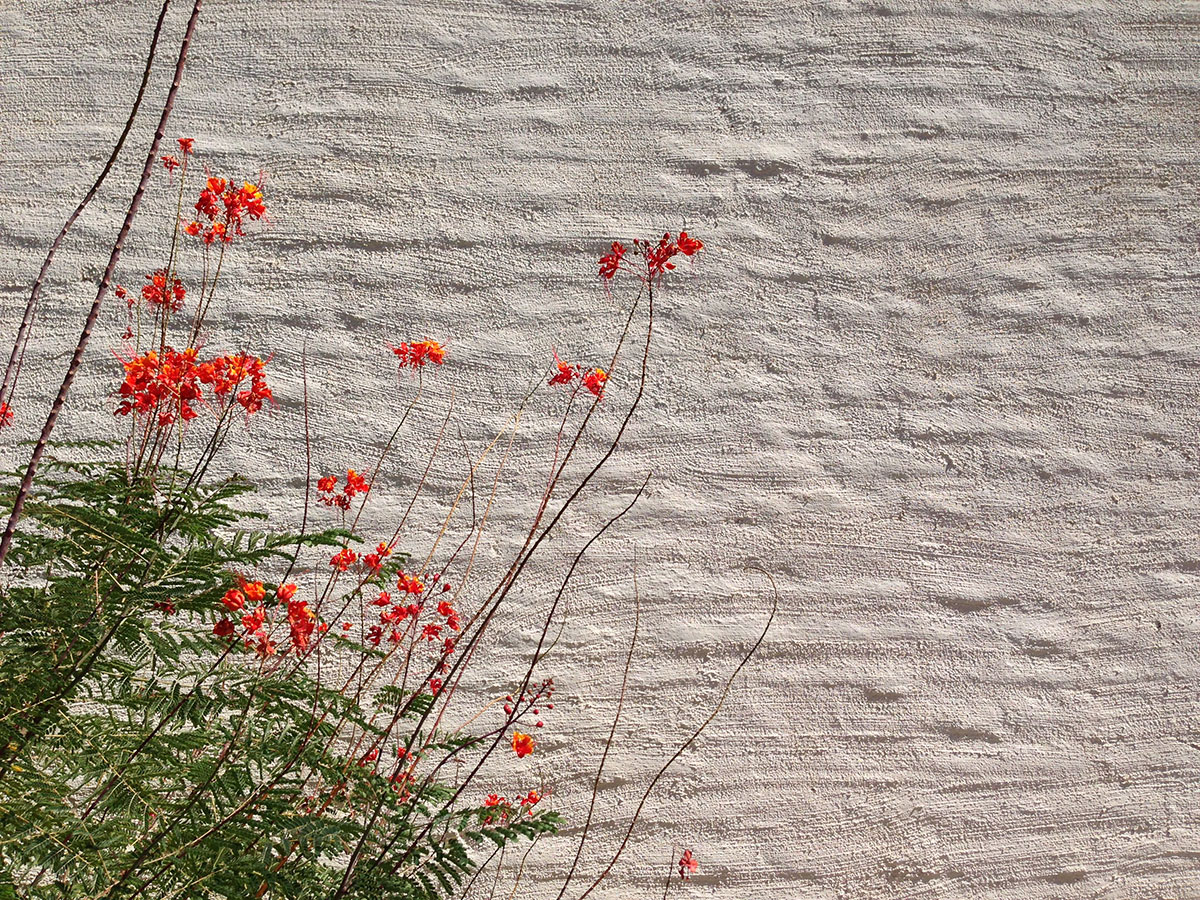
[193, 706]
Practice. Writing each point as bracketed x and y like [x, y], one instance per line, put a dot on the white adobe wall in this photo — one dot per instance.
[938, 372]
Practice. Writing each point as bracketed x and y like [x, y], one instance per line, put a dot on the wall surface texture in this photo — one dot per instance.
[938, 372]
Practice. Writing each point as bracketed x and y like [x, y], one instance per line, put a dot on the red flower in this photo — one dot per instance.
[531, 800]
[408, 584]
[253, 621]
[285, 592]
[610, 262]
[6, 415]
[355, 484]
[595, 380]
[688, 865]
[343, 559]
[445, 609]
[417, 353]
[264, 646]
[566, 372]
[227, 373]
[435, 686]
[185, 145]
[223, 628]
[301, 622]
[522, 744]
[431, 632]
[170, 163]
[161, 293]
[226, 209]
[233, 600]
[658, 259]
[689, 245]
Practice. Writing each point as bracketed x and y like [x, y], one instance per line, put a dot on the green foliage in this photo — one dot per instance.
[142, 756]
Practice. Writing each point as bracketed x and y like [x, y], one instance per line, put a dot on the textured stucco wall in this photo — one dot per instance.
[938, 372]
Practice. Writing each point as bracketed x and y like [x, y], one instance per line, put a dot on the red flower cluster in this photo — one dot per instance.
[301, 620]
[169, 384]
[416, 354]
[593, 380]
[226, 208]
[165, 385]
[409, 584]
[657, 255]
[399, 611]
[505, 808]
[331, 496]
[227, 373]
[160, 292]
[6, 415]
[171, 163]
[448, 612]
[343, 559]
[566, 372]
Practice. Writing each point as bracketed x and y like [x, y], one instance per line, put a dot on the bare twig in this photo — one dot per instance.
[682, 747]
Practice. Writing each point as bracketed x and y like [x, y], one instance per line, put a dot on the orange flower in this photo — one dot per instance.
[254, 591]
[233, 600]
[343, 559]
[417, 353]
[595, 380]
[355, 483]
[522, 744]
[286, 592]
[409, 584]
